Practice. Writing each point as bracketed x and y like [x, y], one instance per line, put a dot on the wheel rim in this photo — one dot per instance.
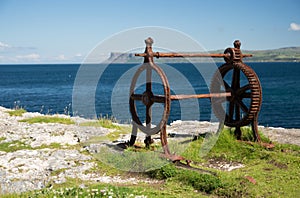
[243, 105]
[148, 99]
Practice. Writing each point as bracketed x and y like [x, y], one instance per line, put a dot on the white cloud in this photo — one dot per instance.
[294, 27]
[78, 55]
[12, 54]
[61, 57]
[29, 57]
[4, 46]
[77, 58]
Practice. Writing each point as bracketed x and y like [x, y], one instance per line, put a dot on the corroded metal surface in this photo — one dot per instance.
[148, 99]
[242, 103]
[174, 55]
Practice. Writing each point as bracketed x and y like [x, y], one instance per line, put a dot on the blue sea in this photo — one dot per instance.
[49, 89]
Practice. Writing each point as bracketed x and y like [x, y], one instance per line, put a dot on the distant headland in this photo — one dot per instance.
[286, 54]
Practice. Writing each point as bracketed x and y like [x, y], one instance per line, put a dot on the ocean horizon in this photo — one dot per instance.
[48, 89]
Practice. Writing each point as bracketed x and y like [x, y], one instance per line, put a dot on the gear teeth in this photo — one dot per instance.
[255, 95]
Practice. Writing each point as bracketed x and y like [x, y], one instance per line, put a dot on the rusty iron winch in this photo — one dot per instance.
[234, 105]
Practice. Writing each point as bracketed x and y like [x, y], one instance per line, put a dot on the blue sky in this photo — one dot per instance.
[65, 31]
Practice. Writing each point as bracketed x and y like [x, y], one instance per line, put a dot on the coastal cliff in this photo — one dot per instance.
[287, 54]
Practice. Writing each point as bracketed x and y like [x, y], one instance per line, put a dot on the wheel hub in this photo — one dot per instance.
[147, 98]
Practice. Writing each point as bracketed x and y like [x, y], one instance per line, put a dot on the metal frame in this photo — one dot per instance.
[238, 113]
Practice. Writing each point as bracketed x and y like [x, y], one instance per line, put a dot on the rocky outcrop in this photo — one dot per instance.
[34, 155]
[47, 153]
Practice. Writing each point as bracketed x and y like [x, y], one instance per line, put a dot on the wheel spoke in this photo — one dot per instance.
[148, 89]
[243, 89]
[245, 100]
[231, 110]
[148, 116]
[227, 87]
[237, 111]
[148, 78]
[147, 97]
[242, 106]
[245, 95]
[159, 98]
[136, 96]
[235, 83]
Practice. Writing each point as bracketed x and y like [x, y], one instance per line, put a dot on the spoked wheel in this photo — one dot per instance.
[242, 107]
[148, 98]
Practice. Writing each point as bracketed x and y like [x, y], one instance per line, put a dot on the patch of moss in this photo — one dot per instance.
[13, 146]
[58, 171]
[53, 145]
[17, 112]
[201, 182]
[48, 119]
[2, 138]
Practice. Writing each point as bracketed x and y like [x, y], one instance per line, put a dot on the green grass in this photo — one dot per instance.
[231, 150]
[17, 112]
[13, 146]
[58, 171]
[109, 124]
[53, 145]
[101, 167]
[131, 161]
[74, 188]
[2, 138]
[102, 122]
[48, 119]
[19, 145]
[110, 190]
[275, 171]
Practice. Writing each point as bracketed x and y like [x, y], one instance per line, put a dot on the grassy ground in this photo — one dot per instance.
[17, 112]
[266, 173]
[48, 119]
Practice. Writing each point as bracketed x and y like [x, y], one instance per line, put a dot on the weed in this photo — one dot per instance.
[130, 160]
[102, 122]
[102, 167]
